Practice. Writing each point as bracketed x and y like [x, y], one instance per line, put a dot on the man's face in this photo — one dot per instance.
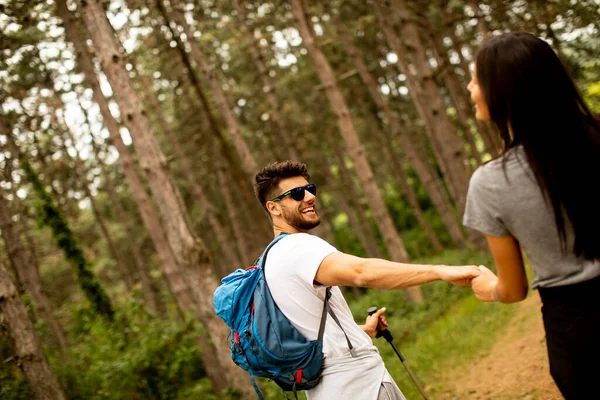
[302, 214]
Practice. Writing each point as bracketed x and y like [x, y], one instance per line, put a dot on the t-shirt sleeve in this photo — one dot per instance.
[482, 212]
[309, 252]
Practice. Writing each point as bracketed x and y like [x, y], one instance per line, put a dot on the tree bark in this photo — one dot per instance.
[346, 127]
[268, 85]
[350, 203]
[27, 269]
[239, 142]
[26, 345]
[149, 291]
[51, 216]
[189, 250]
[81, 174]
[448, 147]
[177, 283]
[188, 171]
[429, 179]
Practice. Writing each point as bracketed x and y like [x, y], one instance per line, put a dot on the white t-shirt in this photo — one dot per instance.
[290, 270]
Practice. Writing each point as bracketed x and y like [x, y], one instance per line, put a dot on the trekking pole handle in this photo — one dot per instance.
[388, 336]
[384, 333]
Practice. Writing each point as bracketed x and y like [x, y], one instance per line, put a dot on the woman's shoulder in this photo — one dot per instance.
[500, 169]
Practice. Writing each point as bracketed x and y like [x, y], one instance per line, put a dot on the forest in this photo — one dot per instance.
[130, 133]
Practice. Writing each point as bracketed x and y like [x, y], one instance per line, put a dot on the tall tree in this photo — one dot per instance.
[27, 268]
[428, 177]
[149, 290]
[447, 145]
[268, 85]
[346, 127]
[177, 18]
[188, 249]
[52, 217]
[81, 173]
[25, 343]
[229, 249]
[177, 283]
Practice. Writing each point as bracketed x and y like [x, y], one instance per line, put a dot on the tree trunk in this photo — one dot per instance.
[400, 175]
[51, 216]
[458, 92]
[489, 137]
[268, 85]
[26, 346]
[222, 146]
[177, 284]
[481, 24]
[429, 179]
[149, 292]
[362, 226]
[188, 171]
[27, 269]
[174, 273]
[346, 127]
[189, 251]
[225, 184]
[68, 205]
[81, 174]
[239, 142]
[448, 147]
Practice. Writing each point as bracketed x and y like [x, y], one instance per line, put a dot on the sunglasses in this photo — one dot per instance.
[298, 193]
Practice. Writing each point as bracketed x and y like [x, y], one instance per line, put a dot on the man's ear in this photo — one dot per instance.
[273, 208]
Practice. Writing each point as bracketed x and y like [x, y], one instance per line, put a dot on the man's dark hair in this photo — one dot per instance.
[266, 182]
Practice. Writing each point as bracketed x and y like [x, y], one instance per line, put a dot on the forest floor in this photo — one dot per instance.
[516, 366]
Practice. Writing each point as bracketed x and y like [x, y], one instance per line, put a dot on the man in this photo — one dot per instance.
[299, 268]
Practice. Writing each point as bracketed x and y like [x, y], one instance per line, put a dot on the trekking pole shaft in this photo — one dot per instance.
[410, 372]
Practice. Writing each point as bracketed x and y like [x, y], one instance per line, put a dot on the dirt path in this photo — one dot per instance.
[515, 368]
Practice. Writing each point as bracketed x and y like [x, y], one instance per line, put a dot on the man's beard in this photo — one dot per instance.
[295, 219]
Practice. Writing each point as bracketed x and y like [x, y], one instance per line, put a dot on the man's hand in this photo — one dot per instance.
[375, 322]
[460, 276]
[484, 286]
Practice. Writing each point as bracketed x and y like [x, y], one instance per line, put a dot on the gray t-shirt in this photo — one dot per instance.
[497, 206]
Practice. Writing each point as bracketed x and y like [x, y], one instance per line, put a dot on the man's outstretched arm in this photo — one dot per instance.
[340, 269]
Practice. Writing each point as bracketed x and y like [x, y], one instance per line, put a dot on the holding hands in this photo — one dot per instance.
[484, 285]
[481, 279]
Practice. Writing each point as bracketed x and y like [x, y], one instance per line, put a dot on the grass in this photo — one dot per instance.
[467, 331]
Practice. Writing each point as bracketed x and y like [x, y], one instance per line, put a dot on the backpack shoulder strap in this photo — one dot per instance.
[327, 308]
[261, 261]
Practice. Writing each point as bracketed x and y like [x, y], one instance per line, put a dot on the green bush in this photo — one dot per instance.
[138, 356]
[12, 383]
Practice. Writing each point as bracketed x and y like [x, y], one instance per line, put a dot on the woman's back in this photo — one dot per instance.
[506, 200]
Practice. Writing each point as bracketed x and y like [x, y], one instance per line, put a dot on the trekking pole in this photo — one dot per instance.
[388, 336]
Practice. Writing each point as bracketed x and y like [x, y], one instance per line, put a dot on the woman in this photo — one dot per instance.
[540, 195]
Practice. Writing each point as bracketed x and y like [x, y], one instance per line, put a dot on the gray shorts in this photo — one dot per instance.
[390, 391]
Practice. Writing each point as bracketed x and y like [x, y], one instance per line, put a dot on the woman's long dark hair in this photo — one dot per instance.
[529, 93]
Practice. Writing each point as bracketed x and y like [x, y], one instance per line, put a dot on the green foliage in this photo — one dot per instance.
[136, 356]
[591, 88]
[12, 383]
[50, 215]
[467, 330]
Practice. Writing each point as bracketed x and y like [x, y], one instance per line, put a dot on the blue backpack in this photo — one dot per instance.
[263, 341]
